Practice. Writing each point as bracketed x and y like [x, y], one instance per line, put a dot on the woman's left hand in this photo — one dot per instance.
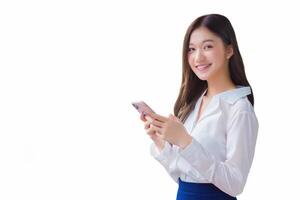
[171, 129]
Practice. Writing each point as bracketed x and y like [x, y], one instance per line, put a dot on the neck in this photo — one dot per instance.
[218, 85]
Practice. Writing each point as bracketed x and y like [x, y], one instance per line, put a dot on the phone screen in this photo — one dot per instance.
[142, 107]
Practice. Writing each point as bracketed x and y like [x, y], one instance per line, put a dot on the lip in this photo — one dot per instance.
[203, 67]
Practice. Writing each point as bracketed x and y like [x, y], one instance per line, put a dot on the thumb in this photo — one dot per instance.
[174, 117]
[171, 116]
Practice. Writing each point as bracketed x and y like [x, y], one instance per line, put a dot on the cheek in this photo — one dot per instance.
[216, 56]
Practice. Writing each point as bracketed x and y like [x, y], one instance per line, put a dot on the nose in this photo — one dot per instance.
[198, 58]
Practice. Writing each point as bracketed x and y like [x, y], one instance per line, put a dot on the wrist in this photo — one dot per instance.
[159, 145]
[187, 139]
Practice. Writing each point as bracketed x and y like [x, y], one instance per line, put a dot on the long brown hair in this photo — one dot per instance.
[191, 86]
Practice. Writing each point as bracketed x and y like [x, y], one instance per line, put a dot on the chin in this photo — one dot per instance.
[203, 77]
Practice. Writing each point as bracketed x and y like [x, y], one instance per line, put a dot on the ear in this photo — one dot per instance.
[229, 51]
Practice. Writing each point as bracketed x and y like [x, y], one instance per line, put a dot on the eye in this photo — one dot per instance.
[191, 49]
[206, 47]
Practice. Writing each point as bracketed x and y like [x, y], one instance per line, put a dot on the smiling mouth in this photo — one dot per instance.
[203, 67]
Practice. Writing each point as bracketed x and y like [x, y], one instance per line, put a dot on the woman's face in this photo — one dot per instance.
[207, 55]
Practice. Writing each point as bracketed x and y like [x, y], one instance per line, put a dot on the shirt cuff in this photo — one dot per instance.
[160, 156]
[189, 150]
[195, 154]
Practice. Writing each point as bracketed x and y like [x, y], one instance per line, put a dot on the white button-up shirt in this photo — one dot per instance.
[223, 144]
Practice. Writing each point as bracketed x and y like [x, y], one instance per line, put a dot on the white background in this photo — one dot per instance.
[70, 69]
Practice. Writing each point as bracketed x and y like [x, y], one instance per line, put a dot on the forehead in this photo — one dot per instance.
[201, 35]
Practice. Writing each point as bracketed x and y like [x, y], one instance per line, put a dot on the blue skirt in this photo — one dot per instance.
[200, 191]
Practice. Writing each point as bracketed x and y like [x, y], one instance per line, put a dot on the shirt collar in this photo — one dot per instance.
[231, 96]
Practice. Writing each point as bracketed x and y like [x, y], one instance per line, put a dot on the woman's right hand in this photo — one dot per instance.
[158, 141]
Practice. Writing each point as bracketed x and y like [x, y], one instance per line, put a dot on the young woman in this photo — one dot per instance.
[208, 145]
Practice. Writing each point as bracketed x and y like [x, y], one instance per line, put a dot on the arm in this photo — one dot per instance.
[231, 175]
[166, 157]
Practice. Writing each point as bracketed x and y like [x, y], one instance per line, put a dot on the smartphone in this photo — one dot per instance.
[142, 107]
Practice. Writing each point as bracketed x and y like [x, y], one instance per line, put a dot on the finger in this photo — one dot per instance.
[158, 123]
[147, 125]
[151, 132]
[155, 128]
[160, 135]
[148, 118]
[142, 117]
[158, 117]
[173, 117]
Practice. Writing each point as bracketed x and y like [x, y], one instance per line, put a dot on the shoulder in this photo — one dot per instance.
[240, 107]
[239, 114]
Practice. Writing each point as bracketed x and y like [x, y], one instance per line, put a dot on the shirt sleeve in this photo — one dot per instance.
[166, 157]
[229, 175]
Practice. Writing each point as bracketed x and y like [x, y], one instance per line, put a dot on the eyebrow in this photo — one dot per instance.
[208, 40]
